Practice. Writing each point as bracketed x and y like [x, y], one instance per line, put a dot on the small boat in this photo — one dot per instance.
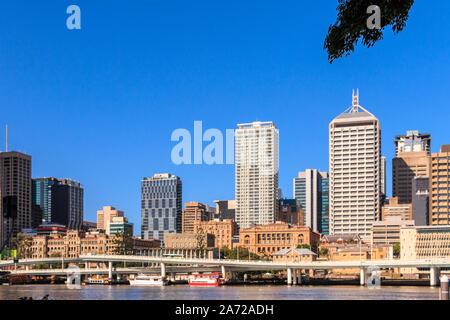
[206, 279]
[147, 280]
[96, 281]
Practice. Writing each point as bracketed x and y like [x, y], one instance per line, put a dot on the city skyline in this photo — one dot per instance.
[124, 112]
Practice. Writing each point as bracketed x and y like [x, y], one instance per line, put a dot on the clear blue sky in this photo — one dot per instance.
[98, 105]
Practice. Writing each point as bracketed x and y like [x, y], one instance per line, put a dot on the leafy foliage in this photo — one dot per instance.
[241, 253]
[123, 243]
[396, 249]
[351, 24]
[23, 245]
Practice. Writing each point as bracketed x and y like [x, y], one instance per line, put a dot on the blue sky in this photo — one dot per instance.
[99, 104]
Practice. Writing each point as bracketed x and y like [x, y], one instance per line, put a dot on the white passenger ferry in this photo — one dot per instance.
[147, 280]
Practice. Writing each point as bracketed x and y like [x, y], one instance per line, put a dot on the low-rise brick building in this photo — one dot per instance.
[271, 238]
[223, 231]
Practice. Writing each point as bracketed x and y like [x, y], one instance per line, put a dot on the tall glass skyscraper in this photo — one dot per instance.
[311, 189]
[42, 196]
[161, 206]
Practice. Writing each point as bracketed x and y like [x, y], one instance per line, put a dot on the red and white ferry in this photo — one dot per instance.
[206, 279]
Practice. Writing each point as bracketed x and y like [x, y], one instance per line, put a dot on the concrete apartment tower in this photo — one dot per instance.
[161, 206]
[412, 159]
[355, 171]
[256, 174]
[311, 190]
[440, 187]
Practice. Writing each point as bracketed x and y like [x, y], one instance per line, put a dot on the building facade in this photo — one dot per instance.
[161, 206]
[311, 189]
[424, 243]
[15, 180]
[290, 211]
[440, 187]
[192, 213]
[420, 200]
[42, 196]
[388, 231]
[105, 217]
[120, 225]
[405, 167]
[256, 173]
[392, 208]
[355, 173]
[413, 141]
[222, 230]
[225, 209]
[188, 241]
[75, 243]
[271, 238]
[68, 203]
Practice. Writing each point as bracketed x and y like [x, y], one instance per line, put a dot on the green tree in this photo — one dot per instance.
[396, 249]
[351, 24]
[244, 254]
[123, 243]
[323, 251]
[304, 246]
[201, 245]
[23, 245]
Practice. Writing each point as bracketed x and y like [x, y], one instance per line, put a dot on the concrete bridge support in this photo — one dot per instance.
[434, 276]
[163, 269]
[289, 276]
[362, 276]
[294, 277]
[299, 279]
[110, 269]
[224, 274]
[173, 276]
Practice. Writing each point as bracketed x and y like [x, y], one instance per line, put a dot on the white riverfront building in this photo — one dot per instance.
[355, 171]
[256, 173]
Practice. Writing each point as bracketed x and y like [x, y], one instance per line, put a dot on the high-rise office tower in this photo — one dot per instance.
[355, 173]
[67, 203]
[412, 159]
[413, 141]
[15, 180]
[311, 189]
[420, 201]
[383, 177]
[324, 196]
[42, 196]
[440, 187]
[161, 206]
[193, 212]
[256, 174]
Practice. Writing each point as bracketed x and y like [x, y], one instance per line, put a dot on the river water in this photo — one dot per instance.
[184, 292]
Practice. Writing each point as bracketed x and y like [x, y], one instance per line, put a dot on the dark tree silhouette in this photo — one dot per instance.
[351, 24]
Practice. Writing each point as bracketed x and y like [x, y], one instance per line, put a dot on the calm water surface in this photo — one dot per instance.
[184, 292]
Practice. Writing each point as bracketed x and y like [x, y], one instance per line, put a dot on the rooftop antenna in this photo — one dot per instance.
[355, 101]
[6, 138]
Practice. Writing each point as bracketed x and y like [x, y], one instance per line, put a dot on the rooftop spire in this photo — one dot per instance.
[355, 98]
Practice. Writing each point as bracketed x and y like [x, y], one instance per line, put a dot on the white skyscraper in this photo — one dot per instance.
[355, 171]
[256, 173]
